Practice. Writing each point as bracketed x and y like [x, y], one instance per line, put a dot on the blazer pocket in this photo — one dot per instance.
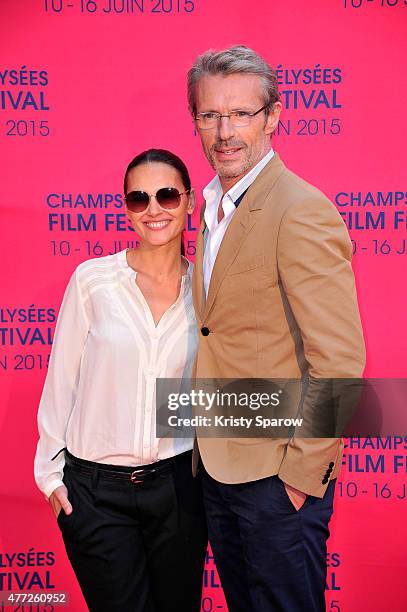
[249, 264]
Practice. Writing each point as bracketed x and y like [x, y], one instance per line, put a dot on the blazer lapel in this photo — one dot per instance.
[198, 291]
[239, 227]
[243, 221]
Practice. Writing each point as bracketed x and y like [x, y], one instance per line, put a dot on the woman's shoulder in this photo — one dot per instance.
[105, 266]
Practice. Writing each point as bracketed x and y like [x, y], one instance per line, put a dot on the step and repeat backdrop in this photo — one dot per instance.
[85, 86]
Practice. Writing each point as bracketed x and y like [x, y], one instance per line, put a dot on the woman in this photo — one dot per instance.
[128, 507]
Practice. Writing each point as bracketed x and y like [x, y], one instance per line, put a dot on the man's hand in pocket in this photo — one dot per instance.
[297, 497]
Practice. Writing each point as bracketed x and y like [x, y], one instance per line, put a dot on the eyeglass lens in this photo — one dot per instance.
[167, 197]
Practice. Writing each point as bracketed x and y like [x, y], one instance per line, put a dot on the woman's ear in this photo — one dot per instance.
[191, 202]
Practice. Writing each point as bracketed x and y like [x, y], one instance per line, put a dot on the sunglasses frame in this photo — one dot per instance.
[154, 195]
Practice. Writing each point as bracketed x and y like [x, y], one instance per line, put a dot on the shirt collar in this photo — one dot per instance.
[212, 193]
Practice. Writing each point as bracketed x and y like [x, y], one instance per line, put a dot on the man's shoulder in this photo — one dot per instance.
[296, 200]
[291, 191]
[296, 188]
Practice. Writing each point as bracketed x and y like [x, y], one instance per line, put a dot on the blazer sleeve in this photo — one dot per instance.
[60, 387]
[314, 261]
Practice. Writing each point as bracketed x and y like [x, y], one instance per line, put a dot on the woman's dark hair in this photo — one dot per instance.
[161, 156]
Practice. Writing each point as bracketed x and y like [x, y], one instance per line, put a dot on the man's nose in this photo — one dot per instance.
[225, 128]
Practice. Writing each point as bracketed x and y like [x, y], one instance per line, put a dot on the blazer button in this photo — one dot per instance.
[205, 331]
[324, 480]
[331, 465]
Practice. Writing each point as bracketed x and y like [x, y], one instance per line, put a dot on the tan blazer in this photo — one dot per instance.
[281, 302]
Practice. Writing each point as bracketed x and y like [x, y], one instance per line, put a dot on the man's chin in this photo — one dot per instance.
[226, 169]
[230, 172]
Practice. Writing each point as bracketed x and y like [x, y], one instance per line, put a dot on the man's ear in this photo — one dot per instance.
[273, 118]
[191, 202]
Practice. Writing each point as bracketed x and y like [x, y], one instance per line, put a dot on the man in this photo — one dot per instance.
[274, 296]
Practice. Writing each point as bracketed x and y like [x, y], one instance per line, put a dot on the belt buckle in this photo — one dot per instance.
[135, 476]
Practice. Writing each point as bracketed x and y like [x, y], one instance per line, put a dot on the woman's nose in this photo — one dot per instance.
[153, 207]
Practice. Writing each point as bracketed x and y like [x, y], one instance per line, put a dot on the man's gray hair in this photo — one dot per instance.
[234, 60]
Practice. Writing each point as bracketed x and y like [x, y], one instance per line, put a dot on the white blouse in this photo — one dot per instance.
[99, 394]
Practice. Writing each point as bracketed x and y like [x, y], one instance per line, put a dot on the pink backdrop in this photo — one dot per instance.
[84, 86]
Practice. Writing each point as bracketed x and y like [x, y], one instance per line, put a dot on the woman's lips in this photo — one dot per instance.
[157, 225]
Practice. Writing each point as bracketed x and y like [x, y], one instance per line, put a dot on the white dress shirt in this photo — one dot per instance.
[216, 231]
[99, 394]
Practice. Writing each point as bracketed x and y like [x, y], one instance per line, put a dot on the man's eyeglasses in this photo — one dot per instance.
[238, 118]
[167, 198]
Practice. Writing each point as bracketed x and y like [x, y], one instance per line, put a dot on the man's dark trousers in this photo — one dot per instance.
[270, 557]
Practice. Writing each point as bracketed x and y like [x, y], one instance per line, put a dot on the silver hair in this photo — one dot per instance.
[236, 59]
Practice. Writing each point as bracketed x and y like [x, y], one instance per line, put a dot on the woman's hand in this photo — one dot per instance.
[59, 501]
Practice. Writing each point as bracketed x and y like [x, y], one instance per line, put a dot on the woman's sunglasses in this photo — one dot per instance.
[167, 198]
